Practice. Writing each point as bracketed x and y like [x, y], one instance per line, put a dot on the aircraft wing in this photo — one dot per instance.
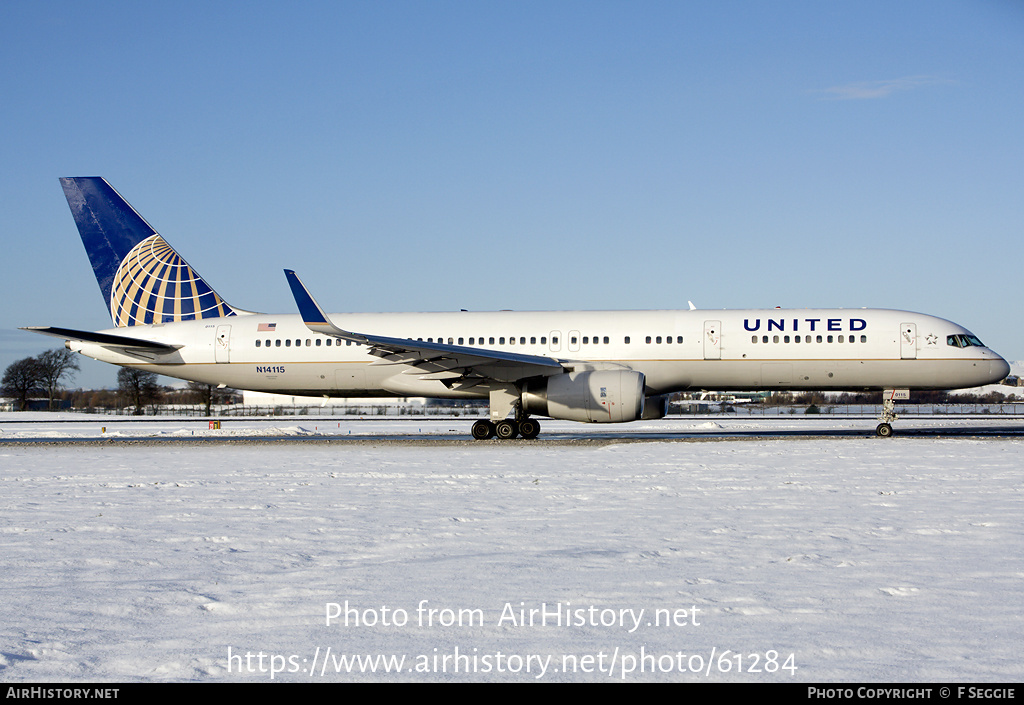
[455, 365]
[105, 339]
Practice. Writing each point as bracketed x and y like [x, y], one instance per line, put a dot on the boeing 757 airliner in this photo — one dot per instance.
[589, 366]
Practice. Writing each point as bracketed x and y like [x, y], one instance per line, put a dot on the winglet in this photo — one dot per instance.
[312, 315]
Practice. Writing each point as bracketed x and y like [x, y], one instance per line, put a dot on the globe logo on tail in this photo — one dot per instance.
[155, 285]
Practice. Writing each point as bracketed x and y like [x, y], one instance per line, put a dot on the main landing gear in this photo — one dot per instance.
[507, 429]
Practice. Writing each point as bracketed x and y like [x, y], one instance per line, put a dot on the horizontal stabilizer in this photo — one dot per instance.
[119, 341]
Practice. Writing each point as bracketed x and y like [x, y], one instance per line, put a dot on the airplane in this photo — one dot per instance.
[586, 366]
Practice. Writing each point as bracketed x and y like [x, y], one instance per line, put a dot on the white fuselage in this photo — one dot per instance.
[770, 349]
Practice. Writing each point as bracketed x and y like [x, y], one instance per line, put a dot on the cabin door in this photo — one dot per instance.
[712, 340]
[555, 341]
[908, 341]
[222, 345]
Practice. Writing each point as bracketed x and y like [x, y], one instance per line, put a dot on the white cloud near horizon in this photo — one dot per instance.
[871, 90]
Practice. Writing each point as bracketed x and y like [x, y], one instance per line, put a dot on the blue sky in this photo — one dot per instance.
[553, 155]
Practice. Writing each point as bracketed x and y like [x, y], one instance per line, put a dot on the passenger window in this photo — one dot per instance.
[586, 340]
[490, 341]
[679, 339]
[764, 338]
[257, 343]
[626, 340]
[658, 339]
[863, 339]
[533, 340]
[543, 340]
[501, 341]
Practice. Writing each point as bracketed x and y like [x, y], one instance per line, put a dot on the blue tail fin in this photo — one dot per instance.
[142, 278]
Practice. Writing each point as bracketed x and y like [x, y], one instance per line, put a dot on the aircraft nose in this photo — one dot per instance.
[999, 369]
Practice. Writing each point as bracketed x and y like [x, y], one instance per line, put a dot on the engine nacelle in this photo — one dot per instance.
[602, 396]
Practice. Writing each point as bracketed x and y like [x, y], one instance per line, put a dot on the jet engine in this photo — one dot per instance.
[602, 396]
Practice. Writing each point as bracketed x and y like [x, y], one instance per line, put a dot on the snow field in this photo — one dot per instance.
[845, 559]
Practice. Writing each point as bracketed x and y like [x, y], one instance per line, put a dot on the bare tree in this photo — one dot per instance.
[54, 366]
[21, 380]
[210, 394]
[138, 387]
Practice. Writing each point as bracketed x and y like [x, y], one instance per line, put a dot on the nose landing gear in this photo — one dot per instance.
[889, 397]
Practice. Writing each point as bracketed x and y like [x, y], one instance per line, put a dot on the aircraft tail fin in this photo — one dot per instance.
[142, 278]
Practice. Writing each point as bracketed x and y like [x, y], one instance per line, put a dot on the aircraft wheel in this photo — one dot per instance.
[483, 429]
[884, 430]
[505, 430]
[529, 429]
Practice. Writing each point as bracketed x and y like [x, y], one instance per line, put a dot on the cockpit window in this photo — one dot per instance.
[964, 341]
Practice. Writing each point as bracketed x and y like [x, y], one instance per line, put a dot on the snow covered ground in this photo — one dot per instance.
[26, 426]
[792, 559]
